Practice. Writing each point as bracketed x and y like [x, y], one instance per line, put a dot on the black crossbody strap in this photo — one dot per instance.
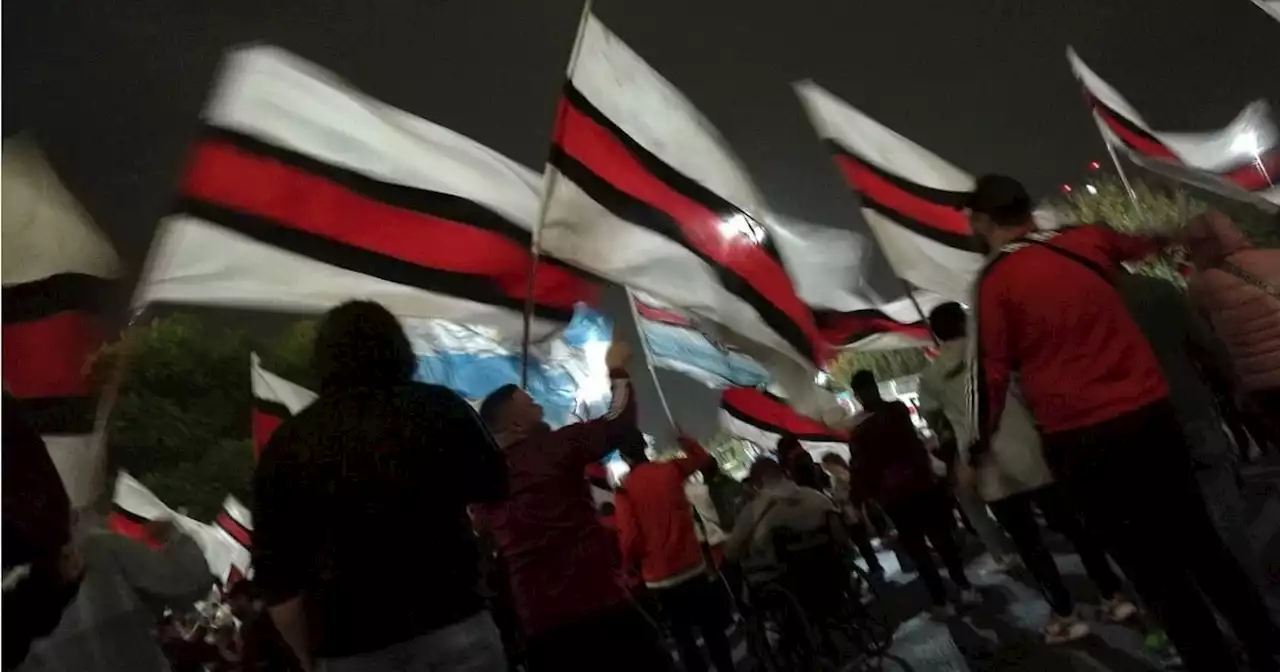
[1107, 277]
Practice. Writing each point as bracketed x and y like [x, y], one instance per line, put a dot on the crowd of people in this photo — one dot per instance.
[397, 528]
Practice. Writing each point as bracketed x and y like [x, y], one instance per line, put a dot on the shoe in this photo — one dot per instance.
[970, 597]
[1063, 629]
[1119, 609]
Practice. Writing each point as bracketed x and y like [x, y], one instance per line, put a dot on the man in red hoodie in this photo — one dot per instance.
[575, 611]
[1048, 311]
[656, 530]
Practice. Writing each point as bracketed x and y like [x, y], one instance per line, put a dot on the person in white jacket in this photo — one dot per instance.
[110, 626]
[1012, 478]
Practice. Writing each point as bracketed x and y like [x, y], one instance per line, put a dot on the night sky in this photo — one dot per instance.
[113, 90]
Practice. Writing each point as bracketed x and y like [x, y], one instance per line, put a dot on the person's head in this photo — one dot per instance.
[948, 322]
[835, 465]
[510, 411]
[787, 444]
[242, 599]
[634, 449]
[865, 388]
[361, 344]
[1000, 210]
[766, 472]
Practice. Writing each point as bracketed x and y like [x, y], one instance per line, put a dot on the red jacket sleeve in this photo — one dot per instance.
[994, 366]
[695, 457]
[1120, 247]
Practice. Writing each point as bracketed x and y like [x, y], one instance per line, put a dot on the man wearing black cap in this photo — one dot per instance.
[1048, 313]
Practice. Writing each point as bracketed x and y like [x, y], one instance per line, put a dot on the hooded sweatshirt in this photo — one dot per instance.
[1226, 289]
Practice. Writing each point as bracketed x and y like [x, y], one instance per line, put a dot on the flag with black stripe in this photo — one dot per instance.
[1241, 160]
[645, 192]
[762, 418]
[303, 192]
[274, 401]
[58, 271]
[910, 196]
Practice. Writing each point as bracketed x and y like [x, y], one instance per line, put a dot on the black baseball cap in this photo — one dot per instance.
[999, 197]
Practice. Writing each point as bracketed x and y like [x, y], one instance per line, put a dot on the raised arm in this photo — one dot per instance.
[695, 457]
[1122, 247]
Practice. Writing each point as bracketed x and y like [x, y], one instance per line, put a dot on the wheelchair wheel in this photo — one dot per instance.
[865, 630]
[782, 637]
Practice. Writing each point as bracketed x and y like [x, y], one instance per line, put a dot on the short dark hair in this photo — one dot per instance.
[835, 459]
[863, 378]
[1001, 198]
[787, 443]
[491, 407]
[948, 321]
[361, 344]
[765, 469]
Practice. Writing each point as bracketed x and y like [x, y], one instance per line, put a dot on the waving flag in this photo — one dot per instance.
[910, 196]
[133, 506]
[644, 192]
[236, 522]
[676, 342]
[274, 401]
[1271, 7]
[302, 193]
[1241, 160]
[762, 418]
[57, 270]
[897, 324]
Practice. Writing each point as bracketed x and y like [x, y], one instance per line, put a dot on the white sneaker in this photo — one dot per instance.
[1119, 609]
[1063, 629]
[970, 597]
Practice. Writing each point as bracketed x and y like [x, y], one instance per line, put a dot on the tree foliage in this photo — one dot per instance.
[885, 364]
[180, 420]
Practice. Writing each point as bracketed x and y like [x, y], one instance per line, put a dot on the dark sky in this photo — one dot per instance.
[113, 90]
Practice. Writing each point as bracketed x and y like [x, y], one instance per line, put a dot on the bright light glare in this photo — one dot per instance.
[821, 378]
[1247, 143]
[738, 225]
[596, 387]
[1091, 189]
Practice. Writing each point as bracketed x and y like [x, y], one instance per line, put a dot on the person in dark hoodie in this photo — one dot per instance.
[347, 492]
[42, 567]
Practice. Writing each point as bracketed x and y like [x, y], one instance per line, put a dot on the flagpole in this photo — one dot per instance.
[1115, 160]
[548, 183]
[923, 318]
[648, 358]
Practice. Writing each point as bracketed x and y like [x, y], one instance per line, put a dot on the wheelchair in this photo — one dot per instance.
[810, 615]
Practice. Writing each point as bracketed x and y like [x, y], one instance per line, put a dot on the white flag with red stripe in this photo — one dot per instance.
[1271, 7]
[763, 418]
[274, 401]
[133, 506]
[58, 270]
[910, 196]
[1241, 160]
[885, 326]
[303, 192]
[645, 192]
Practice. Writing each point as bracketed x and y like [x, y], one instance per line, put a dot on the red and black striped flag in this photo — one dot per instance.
[303, 192]
[645, 192]
[58, 271]
[274, 401]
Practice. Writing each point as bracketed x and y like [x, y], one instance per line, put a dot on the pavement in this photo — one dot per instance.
[1003, 633]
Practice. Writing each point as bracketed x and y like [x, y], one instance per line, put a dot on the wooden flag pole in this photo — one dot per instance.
[548, 184]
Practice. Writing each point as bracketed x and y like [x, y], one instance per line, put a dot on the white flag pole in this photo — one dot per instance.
[648, 358]
[548, 183]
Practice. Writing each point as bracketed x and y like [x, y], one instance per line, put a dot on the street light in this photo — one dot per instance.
[1248, 143]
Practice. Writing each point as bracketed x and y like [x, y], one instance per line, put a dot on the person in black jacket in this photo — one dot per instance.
[362, 546]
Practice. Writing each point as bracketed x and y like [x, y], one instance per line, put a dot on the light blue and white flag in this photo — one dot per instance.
[567, 375]
[676, 342]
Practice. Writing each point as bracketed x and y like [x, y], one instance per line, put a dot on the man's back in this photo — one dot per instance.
[888, 458]
[1065, 330]
[655, 521]
[781, 506]
[350, 492]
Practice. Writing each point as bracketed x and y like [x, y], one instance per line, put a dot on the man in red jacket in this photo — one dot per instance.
[656, 530]
[575, 611]
[1048, 312]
